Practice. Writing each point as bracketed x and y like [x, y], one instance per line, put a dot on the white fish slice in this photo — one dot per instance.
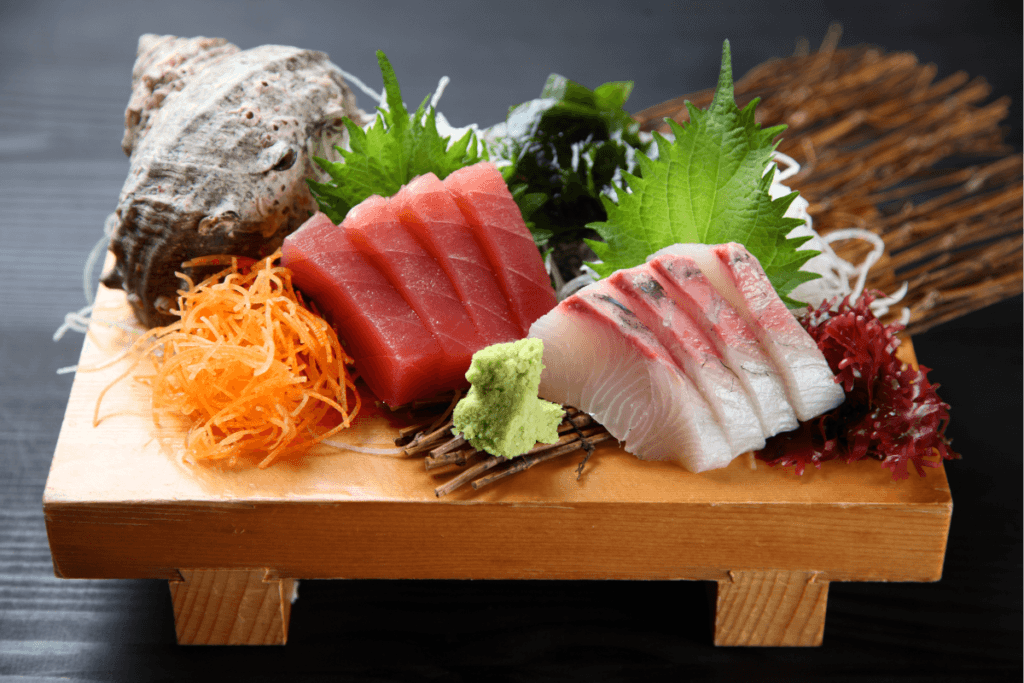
[737, 275]
[733, 337]
[601, 359]
[640, 290]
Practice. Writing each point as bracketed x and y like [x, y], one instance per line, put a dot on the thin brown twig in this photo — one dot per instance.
[468, 475]
[456, 396]
[427, 441]
[527, 461]
[458, 457]
[450, 445]
[577, 430]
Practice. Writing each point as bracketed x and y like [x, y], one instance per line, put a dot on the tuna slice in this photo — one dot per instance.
[640, 290]
[396, 355]
[483, 197]
[732, 336]
[418, 283]
[428, 211]
[600, 358]
[737, 275]
[375, 230]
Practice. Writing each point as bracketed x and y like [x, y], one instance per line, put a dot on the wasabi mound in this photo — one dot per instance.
[502, 414]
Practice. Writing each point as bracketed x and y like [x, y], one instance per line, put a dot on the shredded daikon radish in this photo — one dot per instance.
[374, 95]
[436, 97]
[371, 450]
[836, 273]
[79, 321]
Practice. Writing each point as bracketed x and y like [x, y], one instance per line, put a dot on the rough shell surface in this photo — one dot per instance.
[221, 141]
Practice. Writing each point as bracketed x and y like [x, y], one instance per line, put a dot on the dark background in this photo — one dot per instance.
[65, 71]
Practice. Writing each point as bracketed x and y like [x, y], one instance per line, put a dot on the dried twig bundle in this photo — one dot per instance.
[921, 163]
[577, 431]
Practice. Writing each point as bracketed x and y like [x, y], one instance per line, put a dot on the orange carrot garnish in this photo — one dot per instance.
[253, 369]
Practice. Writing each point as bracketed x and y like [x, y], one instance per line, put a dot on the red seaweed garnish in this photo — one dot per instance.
[891, 413]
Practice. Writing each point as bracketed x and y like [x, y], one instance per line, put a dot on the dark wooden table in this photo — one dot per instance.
[64, 81]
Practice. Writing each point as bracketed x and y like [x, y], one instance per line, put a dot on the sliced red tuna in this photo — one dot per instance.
[732, 336]
[600, 358]
[483, 197]
[738, 276]
[411, 297]
[641, 291]
[376, 231]
[430, 214]
[394, 353]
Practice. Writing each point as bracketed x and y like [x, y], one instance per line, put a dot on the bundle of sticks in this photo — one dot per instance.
[884, 146]
[440, 449]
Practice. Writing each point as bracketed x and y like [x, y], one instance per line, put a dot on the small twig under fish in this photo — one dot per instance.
[468, 475]
[577, 431]
[527, 461]
[456, 442]
[586, 445]
[459, 457]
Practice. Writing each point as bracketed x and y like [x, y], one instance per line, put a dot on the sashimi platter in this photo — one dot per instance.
[326, 340]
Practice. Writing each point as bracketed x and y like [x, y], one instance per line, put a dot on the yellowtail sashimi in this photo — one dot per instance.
[738, 276]
[699, 327]
[599, 357]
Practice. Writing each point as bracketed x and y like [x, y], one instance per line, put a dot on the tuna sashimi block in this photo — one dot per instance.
[482, 195]
[600, 358]
[739, 278]
[417, 283]
[393, 352]
[428, 211]
[374, 228]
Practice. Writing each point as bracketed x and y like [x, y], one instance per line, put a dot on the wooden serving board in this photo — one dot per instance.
[121, 503]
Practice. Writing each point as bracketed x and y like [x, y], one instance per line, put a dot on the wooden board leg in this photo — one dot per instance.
[231, 607]
[770, 608]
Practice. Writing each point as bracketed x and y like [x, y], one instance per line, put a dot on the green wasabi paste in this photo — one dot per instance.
[502, 413]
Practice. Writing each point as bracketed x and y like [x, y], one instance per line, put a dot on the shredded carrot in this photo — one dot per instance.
[252, 367]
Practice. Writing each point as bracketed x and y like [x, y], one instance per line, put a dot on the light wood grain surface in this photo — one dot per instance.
[121, 502]
[232, 607]
[770, 608]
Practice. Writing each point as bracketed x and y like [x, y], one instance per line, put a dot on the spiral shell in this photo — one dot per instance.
[221, 142]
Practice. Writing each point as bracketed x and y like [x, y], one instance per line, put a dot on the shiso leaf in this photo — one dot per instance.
[707, 186]
[395, 149]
